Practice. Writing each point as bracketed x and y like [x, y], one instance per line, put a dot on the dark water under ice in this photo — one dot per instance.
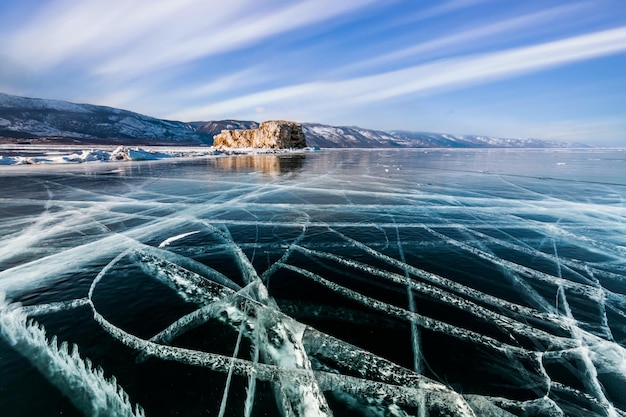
[339, 282]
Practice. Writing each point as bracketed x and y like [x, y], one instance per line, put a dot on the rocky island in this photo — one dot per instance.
[272, 134]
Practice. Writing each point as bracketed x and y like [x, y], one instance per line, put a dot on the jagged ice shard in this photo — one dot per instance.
[330, 283]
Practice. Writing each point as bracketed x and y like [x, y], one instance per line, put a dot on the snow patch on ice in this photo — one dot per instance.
[175, 238]
[125, 153]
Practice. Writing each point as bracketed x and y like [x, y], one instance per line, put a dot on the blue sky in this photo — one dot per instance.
[533, 68]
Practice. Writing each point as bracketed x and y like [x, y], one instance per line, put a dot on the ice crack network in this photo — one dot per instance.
[377, 297]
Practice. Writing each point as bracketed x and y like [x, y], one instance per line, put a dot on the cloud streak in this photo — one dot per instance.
[444, 75]
[122, 37]
[491, 32]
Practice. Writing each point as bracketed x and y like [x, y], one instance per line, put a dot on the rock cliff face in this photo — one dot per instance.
[276, 134]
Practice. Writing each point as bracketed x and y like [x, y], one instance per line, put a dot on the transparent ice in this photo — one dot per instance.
[375, 283]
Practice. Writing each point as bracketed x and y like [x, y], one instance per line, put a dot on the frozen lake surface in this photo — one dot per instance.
[339, 282]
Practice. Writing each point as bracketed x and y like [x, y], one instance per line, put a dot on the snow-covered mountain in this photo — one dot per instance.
[52, 121]
[214, 127]
[356, 137]
[326, 136]
[444, 140]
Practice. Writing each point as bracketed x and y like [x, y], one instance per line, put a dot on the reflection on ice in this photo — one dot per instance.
[270, 165]
[339, 291]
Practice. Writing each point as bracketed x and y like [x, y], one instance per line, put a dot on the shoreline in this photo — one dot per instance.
[20, 155]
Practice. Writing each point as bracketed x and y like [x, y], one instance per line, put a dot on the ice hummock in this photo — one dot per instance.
[64, 155]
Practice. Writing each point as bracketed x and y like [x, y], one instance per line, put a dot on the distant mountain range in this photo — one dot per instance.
[52, 121]
[32, 120]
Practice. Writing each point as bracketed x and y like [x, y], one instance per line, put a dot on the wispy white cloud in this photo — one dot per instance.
[228, 34]
[65, 29]
[440, 8]
[236, 80]
[443, 75]
[122, 37]
[180, 95]
[515, 27]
